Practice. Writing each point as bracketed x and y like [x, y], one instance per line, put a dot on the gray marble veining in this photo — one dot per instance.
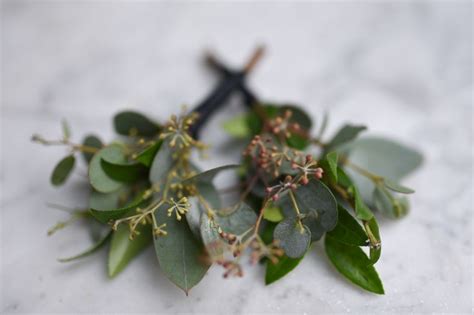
[404, 69]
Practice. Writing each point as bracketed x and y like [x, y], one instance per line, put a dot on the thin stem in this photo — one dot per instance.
[66, 142]
[297, 209]
[375, 178]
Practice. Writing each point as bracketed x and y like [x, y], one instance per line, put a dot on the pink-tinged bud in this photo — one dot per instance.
[269, 189]
[294, 165]
[296, 127]
[288, 178]
[319, 173]
[309, 158]
[275, 197]
[288, 113]
[257, 138]
[276, 130]
[278, 120]
[293, 186]
[304, 180]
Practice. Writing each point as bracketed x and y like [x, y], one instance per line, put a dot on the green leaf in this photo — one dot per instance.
[238, 126]
[388, 204]
[397, 187]
[108, 214]
[375, 251]
[316, 203]
[209, 175]
[236, 220]
[210, 237]
[347, 230]
[146, 156]
[179, 252]
[101, 201]
[97, 176]
[162, 163]
[273, 214]
[92, 142]
[136, 124]
[88, 251]
[362, 211]
[346, 134]
[298, 116]
[353, 264]
[123, 172]
[383, 157]
[329, 164]
[123, 250]
[277, 271]
[66, 129]
[62, 170]
[294, 239]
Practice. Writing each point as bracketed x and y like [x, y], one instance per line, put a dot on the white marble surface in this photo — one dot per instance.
[405, 69]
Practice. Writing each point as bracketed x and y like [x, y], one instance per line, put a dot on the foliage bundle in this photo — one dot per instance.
[296, 186]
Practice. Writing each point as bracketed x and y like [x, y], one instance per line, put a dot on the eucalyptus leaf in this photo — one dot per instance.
[380, 156]
[353, 263]
[123, 250]
[209, 175]
[62, 170]
[329, 164]
[97, 176]
[294, 238]
[162, 164]
[362, 211]
[95, 247]
[107, 215]
[347, 230]
[389, 205]
[318, 205]
[91, 141]
[285, 265]
[346, 134]
[179, 252]
[237, 220]
[133, 123]
[147, 155]
[210, 237]
[123, 172]
[397, 187]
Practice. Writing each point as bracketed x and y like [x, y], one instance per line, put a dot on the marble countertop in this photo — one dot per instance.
[404, 69]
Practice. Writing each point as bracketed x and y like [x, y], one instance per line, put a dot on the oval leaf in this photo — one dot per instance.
[131, 123]
[346, 134]
[123, 250]
[277, 271]
[294, 238]
[162, 164]
[123, 172]
[347, 230]
[179, 253]
[353, 264]
[97, 176]
[62, 170]
[92, 142]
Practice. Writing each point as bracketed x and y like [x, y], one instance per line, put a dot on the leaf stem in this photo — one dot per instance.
[297, 209]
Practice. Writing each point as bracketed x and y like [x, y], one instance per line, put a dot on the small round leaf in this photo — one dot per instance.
[294, 238]
[62, 170]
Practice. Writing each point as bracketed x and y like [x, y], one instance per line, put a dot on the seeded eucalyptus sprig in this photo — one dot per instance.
[296, 188]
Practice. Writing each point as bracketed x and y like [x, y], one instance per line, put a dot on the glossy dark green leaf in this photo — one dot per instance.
[397, 187]
[123, 250]
[362, 211]
[62, 170]
[147, 155]
[162, 164]
[124, 172]
[91, 141]
[317, 204]
[136, 124]
[375, 250]
[347, 230]
[179, 252]
[293, 238]
[329, 164]
[97, 176]
[277, 271]
[383, 157]
[346, 134]
[353, 263]
[95, 247]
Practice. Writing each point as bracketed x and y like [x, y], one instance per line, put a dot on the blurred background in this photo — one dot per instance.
[403, 68]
